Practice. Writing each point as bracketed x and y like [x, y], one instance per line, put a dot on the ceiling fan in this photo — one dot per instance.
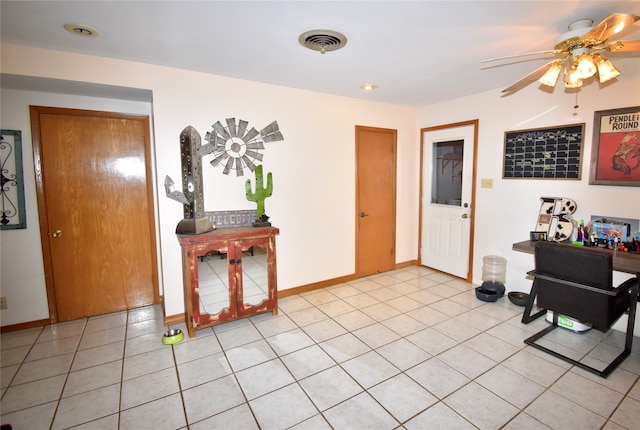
[578, 49]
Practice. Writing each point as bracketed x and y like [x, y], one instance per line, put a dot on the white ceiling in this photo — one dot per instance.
[417, 52]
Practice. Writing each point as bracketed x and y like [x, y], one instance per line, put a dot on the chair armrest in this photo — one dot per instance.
[613, 292]
[626, 285]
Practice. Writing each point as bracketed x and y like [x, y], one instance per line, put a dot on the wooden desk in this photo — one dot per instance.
[628, 262]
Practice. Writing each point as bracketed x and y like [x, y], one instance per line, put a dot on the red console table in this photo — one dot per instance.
[230, 242]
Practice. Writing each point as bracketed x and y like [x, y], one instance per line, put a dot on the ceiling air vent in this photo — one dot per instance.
[322, 40]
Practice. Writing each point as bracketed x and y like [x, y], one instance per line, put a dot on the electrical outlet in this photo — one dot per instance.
[486, 183]
[3, 303]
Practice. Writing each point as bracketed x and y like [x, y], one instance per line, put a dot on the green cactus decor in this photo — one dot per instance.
[261, 193]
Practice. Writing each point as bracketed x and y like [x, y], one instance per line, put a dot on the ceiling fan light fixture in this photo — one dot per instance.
[606, 70]
[573, 80]
[585, 67]
[551, 76]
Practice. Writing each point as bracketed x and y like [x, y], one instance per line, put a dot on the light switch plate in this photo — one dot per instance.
[486, 183]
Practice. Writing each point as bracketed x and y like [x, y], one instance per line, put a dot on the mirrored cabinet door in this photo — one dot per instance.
[213, 280]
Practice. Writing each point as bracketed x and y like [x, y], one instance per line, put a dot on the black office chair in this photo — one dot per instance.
[577, 282]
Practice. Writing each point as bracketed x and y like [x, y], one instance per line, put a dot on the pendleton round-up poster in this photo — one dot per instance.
[617, 152]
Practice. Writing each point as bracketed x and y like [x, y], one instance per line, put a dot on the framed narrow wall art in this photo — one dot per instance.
[13, 216]
[544, 153]
[615, 154]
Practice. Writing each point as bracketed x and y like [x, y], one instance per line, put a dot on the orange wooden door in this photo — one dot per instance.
[96, 214]
[376, 200]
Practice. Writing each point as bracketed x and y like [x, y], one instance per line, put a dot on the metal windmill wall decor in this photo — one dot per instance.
[233, 147]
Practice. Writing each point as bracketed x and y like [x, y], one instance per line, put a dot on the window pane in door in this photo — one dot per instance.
[446, 172]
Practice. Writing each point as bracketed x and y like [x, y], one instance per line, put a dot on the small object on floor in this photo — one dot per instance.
[172, 336]
[518, 298]
[569, 323]
[498, 287]
[486, 295]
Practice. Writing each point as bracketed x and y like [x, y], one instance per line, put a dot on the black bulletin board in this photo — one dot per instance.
[544, 153]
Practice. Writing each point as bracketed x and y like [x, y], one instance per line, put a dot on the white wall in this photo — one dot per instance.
[508, 212]
[313, 202]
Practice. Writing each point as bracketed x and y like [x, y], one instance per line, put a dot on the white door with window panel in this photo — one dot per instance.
[447, 198]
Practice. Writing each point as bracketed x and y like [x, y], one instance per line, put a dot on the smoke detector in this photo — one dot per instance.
[322, 40]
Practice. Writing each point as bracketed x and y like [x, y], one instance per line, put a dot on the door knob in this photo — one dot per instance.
[362, 214]
[465, 215]
[56, 233]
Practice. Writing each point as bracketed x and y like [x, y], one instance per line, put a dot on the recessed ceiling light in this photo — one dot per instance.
[81, 30]
[368, 87]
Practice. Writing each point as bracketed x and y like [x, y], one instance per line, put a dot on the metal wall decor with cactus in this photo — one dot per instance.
[235, 148]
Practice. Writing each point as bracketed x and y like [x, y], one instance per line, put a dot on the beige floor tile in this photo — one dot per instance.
[556, 411]
[403, 354]
[32, 394]
[92, 378]
[166, 412]
[149, 387]
[251, 354]
[511, 386]
[376, 335]
[439, 417]
[432, 341]
[148, 362]
[627, 414]
[86, 407]
[238, 418]
[203, 370]
[307, 361]
[211, 398]
[349, 414]
[44, 368]
[402, 397]
[288, 342]
[33, 418]
[268, 409]
[98, 355]
[330, 387]
[370, 369]
[324, 330]
[481, 407]
[587, 393]
[466, 361]
[440, 379]
[263, 378]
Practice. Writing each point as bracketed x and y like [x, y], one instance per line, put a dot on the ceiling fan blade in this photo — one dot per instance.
[553, 51]
[536, 74]
[623, 46]
[613, 24]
